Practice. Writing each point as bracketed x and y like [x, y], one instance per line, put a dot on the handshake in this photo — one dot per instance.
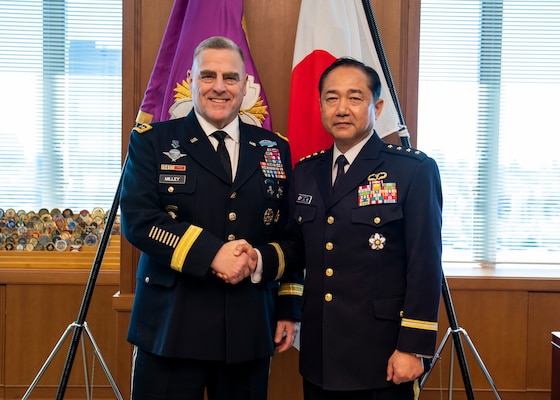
[235, 261]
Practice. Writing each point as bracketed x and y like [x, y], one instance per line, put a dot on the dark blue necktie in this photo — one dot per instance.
[341, 162]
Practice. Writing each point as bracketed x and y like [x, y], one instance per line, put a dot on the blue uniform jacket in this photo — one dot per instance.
[372, 253]
[178, 208]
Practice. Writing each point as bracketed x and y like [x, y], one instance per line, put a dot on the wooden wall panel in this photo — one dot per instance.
[509, 320]
[271, 28]
[2, 333]
[36, 317]
[487, 318]
[544, 318]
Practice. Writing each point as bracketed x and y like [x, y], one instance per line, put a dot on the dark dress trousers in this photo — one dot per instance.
[372, 253]
[178, 207]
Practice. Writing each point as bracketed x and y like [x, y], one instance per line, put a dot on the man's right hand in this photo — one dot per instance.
[232, 267]
[245, 247]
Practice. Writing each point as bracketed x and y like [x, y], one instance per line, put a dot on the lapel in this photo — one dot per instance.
[198, 146]
[366, 162]
[251, 153]
[323, 175]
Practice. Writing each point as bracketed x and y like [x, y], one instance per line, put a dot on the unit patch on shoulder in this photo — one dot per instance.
[141, 128]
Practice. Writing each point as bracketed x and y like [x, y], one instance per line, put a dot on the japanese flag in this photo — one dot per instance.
[327, 30]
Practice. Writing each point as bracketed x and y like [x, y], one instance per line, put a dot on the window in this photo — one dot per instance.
[60, 74]
[488, 109]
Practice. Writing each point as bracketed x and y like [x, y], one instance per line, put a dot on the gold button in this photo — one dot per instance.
[299, 219]
[401, 314]
[329, 246]
[329, 272]
[170, 189]
[231, 237]
[328, 297]
[330, 220]
[232, 216]
[233, 195]
[376, 220]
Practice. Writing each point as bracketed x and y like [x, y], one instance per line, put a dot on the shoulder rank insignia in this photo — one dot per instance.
[141, 128]
[311, 156]
[405, 151]
[285, 138]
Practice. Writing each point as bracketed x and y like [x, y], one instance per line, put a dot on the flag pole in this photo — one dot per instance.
[403, 131]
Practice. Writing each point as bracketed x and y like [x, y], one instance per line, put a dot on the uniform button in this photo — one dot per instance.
[330, 220]
[233, 195]
[231, 237]
[232, 216]
[170, 189]
[376, 220]
[401, 314]
[329, 272]
[329, 246]
[299, 219]
[328, 297]
[147, 279]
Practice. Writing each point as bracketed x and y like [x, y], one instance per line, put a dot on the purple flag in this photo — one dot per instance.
[191, 21]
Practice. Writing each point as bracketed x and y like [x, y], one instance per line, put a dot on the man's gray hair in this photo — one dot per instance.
[218, 42]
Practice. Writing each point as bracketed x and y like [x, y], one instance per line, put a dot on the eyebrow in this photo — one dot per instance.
[225, 74]
[350, 91]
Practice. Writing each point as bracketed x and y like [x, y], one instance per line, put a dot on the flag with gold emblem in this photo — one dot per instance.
[167, 95]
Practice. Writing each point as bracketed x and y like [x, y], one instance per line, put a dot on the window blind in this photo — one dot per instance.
[60, 74]
[489, 82]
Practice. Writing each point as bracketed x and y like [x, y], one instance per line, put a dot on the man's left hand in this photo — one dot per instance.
[404, 367]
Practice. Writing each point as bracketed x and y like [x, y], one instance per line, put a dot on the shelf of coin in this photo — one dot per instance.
[56, 239]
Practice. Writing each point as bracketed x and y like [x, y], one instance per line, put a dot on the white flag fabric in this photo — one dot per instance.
[327, 30]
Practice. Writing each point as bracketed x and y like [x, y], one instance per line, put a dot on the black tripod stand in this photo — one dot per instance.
[454, 330]
[80, 324]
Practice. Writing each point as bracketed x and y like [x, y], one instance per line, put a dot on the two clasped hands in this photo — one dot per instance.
[235, 261]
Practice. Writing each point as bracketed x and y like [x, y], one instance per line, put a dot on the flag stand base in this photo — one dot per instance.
[96, 352]
[456, 332]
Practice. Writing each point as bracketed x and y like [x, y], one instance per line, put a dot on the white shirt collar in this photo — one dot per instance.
[232, 129]
[352, 153]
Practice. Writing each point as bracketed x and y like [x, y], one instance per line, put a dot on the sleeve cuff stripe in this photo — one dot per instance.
[290, 289]
[281, 260]
[417, 324]
[184, 246]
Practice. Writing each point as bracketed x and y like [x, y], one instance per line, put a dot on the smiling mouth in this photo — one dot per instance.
[218, 100]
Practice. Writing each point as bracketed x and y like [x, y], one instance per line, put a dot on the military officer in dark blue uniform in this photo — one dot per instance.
[185, 209]
[365, 223]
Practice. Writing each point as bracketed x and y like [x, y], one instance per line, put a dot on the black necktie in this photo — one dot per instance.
[341, 161]
[222, 151]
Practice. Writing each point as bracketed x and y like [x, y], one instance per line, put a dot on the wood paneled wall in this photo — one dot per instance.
[37, 308]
